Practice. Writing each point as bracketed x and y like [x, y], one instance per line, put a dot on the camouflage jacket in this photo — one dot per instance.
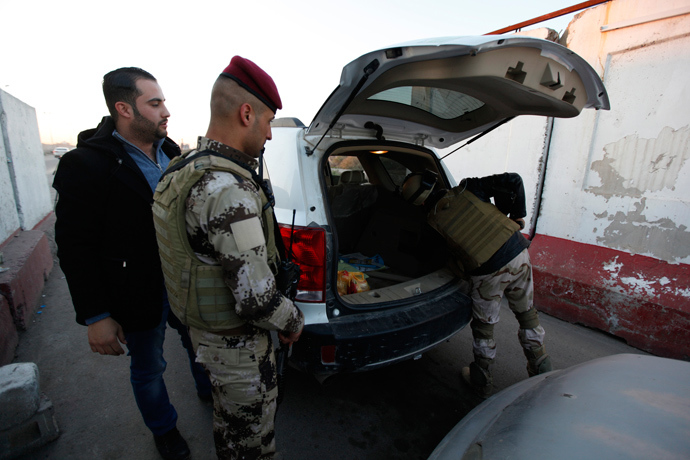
[224, 226]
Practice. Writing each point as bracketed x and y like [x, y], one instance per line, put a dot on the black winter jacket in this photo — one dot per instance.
[104, 231]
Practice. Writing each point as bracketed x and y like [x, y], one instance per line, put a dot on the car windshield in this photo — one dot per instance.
[443, 103]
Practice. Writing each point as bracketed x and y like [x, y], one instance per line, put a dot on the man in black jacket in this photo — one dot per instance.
[107, 244]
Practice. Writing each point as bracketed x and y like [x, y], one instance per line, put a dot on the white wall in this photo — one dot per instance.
[619, 178]
[9, 220]
[24, 190]
[628, 178]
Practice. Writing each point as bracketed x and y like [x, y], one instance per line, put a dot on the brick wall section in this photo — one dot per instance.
[9, 337]
[29, 259]
[640, 299]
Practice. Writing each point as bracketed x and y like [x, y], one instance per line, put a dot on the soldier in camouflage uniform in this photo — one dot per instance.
[493, 251]
[226, 225]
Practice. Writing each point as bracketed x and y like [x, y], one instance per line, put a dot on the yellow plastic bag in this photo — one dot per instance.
[358, 283]
[351, 282]
[343, 281]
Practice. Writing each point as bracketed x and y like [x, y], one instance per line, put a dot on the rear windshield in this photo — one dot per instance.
[443, 103]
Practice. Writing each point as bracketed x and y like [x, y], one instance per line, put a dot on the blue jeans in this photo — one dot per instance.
[147, 365]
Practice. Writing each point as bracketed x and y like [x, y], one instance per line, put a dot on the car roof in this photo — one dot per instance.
[437, 92]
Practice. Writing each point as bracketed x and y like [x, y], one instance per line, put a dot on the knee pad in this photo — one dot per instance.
[482, 330]
[528, 319]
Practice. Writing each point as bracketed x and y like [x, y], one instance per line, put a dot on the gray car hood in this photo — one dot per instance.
[438, 92]
[622, 406]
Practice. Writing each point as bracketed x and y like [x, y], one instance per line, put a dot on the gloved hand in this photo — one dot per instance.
[520, 222]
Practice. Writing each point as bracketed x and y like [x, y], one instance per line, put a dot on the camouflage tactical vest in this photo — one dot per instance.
[473, 229]
[197, 292]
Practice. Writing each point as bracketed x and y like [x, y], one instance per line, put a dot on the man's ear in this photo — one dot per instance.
[246, 114]
[124, 110]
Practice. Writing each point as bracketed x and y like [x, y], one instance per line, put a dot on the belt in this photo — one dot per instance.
[244, 329]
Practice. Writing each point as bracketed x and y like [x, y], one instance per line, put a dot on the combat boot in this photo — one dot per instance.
[172, 446]
[538, 362]
[478, 376]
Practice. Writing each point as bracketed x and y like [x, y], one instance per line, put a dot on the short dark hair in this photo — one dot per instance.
[120, 85]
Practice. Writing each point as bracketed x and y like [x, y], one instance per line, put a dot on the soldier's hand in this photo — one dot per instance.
[290, 338]
[105, 337]
[520, 222]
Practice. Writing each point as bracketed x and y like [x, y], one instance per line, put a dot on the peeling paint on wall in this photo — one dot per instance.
[613, 267]
[633, 165]
[632, 232]
[640, 285]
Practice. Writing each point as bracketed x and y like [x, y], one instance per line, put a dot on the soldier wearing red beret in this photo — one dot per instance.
[215, 229]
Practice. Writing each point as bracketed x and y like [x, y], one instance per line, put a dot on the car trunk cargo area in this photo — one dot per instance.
[372, 221]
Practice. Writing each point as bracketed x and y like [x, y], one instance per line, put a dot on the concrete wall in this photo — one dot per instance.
[9, 219]
[24, 189]
[626, 200]
[611, 226]
[25, 217]
[630, 178]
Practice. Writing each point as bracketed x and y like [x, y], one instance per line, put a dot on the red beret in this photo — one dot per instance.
[252, 78]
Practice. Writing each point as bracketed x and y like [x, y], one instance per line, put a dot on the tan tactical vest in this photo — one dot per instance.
[473, 229]
[197, 292]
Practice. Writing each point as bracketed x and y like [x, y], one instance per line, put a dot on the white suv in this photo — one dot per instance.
[339, 181]
[58, 152]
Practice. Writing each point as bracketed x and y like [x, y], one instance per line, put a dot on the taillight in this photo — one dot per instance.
[309, 252]
[328, 354]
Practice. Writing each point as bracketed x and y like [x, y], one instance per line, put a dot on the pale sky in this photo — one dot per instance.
[55, 53]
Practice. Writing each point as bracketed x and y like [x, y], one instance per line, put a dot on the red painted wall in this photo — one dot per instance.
[640, 299]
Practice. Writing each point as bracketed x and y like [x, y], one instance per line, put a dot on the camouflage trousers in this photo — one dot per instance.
[242, 370]
[514, 281]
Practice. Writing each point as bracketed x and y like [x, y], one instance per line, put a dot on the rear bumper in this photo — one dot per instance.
[374, 339]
